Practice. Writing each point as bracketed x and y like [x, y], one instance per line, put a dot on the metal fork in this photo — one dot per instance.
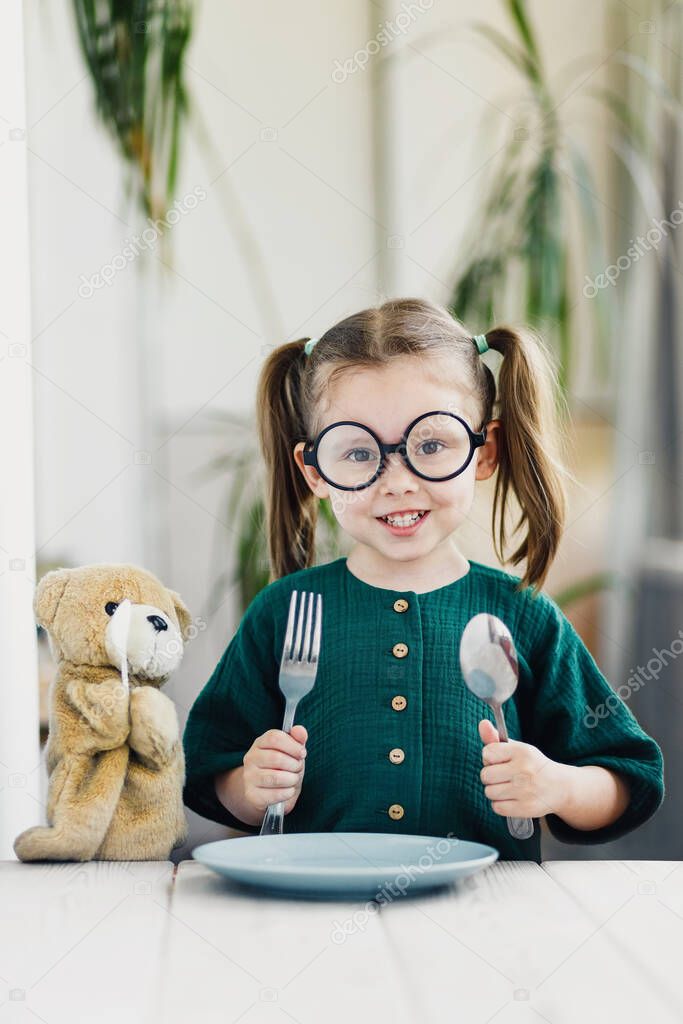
[298, 668]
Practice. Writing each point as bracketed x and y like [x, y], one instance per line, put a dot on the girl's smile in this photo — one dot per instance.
[404, 524]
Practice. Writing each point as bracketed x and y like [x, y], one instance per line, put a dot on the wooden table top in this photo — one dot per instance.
[565, 942]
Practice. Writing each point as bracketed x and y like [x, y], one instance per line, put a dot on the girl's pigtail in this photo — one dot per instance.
[291, 507]
[530, 443]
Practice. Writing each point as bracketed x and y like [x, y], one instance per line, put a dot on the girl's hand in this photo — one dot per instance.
[519, 780]
[274, 768]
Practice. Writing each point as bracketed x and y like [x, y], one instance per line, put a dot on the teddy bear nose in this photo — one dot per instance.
[159, 624]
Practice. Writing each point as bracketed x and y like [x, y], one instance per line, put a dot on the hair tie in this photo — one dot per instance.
[478, 339]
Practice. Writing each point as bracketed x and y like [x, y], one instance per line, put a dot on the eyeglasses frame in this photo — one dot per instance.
[310, 454]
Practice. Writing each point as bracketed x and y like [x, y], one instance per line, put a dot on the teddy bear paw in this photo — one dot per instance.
[35, 843]
[154, 730]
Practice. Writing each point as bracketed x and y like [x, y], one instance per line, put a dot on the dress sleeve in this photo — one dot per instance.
[575, 717]
[240, 701]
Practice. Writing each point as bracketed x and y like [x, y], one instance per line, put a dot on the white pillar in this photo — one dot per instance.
[392, 187]
[19, 737]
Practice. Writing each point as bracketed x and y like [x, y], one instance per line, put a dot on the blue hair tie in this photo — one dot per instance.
[309, 345]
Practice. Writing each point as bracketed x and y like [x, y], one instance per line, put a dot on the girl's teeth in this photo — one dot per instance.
[403, 520]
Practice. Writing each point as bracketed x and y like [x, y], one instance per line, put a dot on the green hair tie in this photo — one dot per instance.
[309, 345]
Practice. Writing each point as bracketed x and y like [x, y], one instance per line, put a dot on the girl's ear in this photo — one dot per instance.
[313, 478]
[488, 453]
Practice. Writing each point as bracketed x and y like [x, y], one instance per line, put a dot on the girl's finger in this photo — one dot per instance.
[492, 773]
[508, 808]
[496, 753]
[299, 733]
[488, 732]
[276, 759]
[276, 739]
[278, 780]
[499, 791]
[263, 798]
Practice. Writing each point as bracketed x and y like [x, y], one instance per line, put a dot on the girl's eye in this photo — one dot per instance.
[432, 452]
[110, 607]
[362, 451]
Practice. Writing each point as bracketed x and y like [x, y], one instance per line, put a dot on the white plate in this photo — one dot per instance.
[345, 864]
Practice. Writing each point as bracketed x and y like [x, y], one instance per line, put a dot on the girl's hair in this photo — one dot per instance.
[292, 386]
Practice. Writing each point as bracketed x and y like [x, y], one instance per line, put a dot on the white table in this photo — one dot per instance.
[566, 942]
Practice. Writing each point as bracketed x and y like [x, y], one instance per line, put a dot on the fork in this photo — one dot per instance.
[298, 668]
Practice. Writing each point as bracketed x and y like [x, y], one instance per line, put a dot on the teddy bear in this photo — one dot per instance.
[114, 755]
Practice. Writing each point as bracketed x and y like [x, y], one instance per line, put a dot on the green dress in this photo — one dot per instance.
[393, 742]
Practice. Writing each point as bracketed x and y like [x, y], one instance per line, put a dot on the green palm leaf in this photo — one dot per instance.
[533, 239]
[134, 51]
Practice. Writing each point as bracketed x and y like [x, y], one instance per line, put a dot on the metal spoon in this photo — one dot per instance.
[489, 665]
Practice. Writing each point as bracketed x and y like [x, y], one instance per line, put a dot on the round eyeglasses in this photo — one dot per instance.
[438, 445]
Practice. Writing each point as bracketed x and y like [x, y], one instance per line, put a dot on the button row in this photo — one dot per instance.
[398, 703]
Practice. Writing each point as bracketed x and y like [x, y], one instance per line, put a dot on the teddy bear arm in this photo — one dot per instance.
[154, 733]
[105, 708]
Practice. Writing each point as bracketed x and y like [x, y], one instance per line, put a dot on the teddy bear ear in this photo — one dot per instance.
[184, 617]
[48, 595]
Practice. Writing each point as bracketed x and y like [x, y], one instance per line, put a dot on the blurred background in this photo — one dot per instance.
[187, 185]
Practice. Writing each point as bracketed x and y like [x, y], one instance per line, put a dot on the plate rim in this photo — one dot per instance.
[490, 857]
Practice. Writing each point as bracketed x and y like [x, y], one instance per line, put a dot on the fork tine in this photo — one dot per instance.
[306, 653]
[318, 628]
[296, 654]
[287, 652]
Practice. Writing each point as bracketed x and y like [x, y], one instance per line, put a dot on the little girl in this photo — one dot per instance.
[390, 415]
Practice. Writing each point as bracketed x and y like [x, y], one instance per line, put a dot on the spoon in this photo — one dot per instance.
[489, 665]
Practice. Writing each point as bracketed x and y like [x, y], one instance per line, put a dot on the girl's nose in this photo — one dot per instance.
[396, 477]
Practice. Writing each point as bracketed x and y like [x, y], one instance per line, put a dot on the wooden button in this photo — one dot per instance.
[400, 605]
[398, 702]
[396, 756]
[399, 650]
[396, 812]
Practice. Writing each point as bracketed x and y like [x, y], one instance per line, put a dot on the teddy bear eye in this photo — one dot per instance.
[110, 607]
